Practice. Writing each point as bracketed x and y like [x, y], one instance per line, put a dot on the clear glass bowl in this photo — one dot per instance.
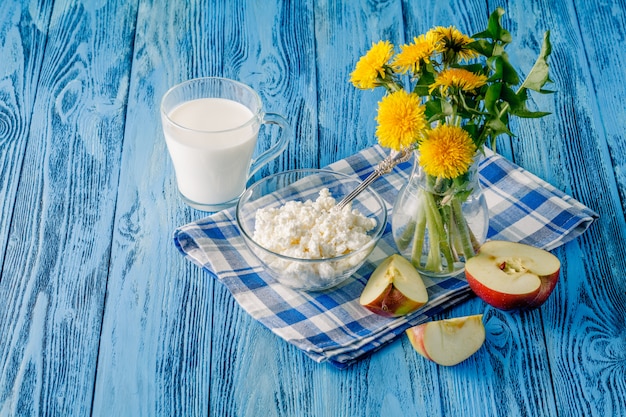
[302, 185]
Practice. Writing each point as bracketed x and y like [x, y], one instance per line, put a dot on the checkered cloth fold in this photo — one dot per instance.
[332, 325]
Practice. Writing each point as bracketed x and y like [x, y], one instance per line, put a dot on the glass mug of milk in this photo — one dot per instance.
[211, 127]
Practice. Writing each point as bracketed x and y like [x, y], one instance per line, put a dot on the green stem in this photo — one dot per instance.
[407, 234]
[463, 229]
[453, 240]
[505, 108]
[446, 244]
[418, 237]
[456, 240]
[438, 239]
[433, 260]
[475, 243]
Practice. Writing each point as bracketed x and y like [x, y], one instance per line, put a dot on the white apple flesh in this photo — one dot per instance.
[448, 342]
[512, 276]
[394, 289]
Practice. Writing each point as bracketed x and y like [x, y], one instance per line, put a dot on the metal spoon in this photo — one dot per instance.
[384, 167]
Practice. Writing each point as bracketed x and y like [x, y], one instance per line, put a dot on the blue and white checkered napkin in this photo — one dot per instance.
[332, 325]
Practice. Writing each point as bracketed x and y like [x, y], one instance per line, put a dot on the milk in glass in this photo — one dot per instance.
[211, 144]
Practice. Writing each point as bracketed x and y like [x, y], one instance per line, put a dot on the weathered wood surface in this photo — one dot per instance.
[99, 314]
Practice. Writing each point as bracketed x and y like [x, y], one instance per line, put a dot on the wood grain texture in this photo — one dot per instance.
[507, 382]
[23, 33]
[345, 31]
[606, 72]
[269, 47]
[587, 309]
[99, 313]
[156, 336]
[278, 60]
[56, 262]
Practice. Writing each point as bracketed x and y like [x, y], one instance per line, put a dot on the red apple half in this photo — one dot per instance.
[512, 276]
[394, 289]
[448, 342]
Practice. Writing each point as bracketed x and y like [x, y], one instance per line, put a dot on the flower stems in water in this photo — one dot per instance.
[418, 239]
[462, 229]
[431, 217]
[439, 232]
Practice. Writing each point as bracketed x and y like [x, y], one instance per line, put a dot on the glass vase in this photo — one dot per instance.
[439, 223]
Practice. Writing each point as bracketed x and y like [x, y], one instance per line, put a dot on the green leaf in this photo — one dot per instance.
[492, 96]
[472, 129]
[468, 107]
[433, 109]
[503, 70]
[517, 103]
[496, 66]
[485, 34]
[421, 90]
[446, 108]
[539, 74]
[509, 74]
[498, 127]
[475, 68]
[514, 100]
[505, 36]
[423, 84]
[494, 29]
[498, 49]
[494, 128]
[482, 46]
[527, 114]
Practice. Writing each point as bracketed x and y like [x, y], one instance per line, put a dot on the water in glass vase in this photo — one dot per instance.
[438, 223]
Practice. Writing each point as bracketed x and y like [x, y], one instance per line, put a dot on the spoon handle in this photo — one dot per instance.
[384, 167]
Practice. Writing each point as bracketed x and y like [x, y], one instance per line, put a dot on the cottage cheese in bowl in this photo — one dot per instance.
[312, 229]
[291, 222]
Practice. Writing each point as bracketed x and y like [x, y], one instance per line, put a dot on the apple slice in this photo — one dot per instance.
[448, 342]
[511, 276]
[394, 289]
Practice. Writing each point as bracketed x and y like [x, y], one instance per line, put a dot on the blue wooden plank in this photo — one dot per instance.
[135, 305]
[605, 65]
[254, 372]
[265, 48]
[156, 336]
[388, 380]
[55, 269]
[507, 385]
[23, 34]
[344, 32]
[173, 341]
[576, 150]
[502, 362]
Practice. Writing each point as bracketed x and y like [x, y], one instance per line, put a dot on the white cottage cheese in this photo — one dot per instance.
[312, 229]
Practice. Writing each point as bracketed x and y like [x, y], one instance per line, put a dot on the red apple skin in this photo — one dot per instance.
[508, 302]
[397, 287]
[548, 283]
[447, 354]
[501, 300]
[392, 303]
[416, 337]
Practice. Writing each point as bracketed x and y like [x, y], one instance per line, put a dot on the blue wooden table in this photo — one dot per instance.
[99, 313]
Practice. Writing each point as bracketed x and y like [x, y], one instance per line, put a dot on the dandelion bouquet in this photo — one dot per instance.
[448, 95]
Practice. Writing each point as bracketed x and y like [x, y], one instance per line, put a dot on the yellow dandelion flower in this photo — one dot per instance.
[459, 78]
[412, 56]
[453, 44]
[371, 66]
[401, 120]
[447, 152]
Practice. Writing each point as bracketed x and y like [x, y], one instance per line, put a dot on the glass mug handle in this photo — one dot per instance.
[277, 148]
